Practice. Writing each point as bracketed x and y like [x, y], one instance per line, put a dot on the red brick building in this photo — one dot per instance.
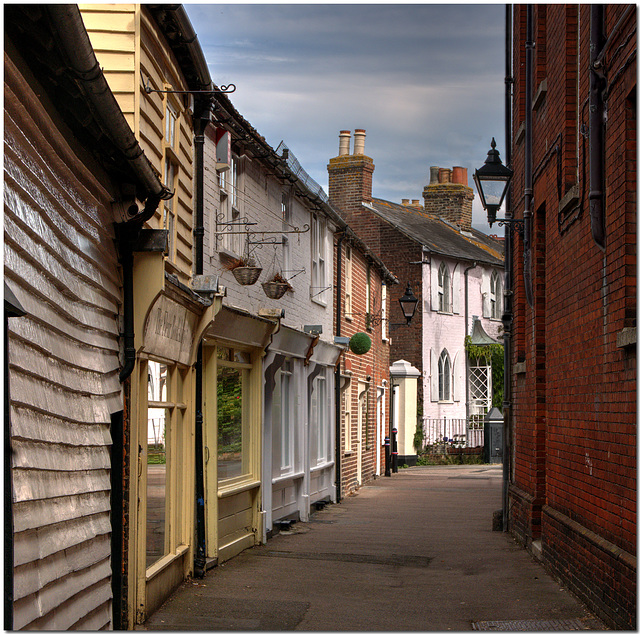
[361, 298]
[572, 482]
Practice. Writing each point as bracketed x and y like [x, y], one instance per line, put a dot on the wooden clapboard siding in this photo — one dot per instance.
[60, 260]
[131, 49]
[111, 29]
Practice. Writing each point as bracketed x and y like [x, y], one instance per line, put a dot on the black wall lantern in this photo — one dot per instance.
[492, 181]
[408, 303]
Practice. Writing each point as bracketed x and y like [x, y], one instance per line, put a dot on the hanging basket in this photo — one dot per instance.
[275, 290]
[246, 275]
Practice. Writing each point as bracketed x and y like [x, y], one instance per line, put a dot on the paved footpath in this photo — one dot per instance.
[413, 552]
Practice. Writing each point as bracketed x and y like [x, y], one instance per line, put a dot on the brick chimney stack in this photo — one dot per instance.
[447, 195]
[351, 175]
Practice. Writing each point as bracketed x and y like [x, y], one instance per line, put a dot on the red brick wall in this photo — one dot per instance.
[574, 412]
[371, 369]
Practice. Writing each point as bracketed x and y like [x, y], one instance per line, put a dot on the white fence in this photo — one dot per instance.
[458, 432]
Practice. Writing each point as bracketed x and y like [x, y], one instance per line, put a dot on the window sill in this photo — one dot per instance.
[232, 488]
[165, 562]
[320, 467]
[626, 337]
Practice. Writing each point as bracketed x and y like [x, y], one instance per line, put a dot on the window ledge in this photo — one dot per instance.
[540, 95]
[165, 562]
[520, 368]
[228, 490]
[626, 337]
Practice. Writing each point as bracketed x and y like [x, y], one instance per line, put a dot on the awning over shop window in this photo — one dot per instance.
[234, 325]
[291, 343]
[325, 353]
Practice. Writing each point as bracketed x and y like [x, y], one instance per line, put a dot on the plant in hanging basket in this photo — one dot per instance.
[244, 270]
[276, 287]
[360, 343]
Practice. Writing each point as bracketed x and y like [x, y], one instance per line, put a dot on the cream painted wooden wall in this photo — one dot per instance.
[133, 54]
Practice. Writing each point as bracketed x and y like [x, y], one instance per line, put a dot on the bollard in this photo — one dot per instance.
[394, 450]
[387, 457]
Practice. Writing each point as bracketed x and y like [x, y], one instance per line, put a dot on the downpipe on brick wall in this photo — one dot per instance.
[507, 314]
[528, 156]
[338, 365]
[596, 126]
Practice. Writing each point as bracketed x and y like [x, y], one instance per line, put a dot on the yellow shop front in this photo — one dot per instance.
[233, 350]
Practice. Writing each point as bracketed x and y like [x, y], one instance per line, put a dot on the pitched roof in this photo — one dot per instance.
[437, 235]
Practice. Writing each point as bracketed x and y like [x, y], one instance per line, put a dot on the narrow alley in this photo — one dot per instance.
[414, 552]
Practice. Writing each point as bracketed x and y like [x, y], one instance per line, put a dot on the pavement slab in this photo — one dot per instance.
[411, 552]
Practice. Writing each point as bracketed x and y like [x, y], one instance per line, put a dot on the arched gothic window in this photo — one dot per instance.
[444, 377]
[444, 289]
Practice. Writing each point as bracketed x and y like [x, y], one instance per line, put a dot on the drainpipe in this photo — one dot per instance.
[200, 559]
[507, 315]
[337, 372]
[466, 328]
[596, 127]
[528, 155]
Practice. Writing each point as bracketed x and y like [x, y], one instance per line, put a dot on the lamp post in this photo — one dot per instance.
[492, 181]
[408, 303]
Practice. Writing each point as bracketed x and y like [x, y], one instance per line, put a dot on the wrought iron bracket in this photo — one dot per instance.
[517, 223]
[225, 90]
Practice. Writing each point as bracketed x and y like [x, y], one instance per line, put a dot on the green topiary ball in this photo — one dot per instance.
[360, 343]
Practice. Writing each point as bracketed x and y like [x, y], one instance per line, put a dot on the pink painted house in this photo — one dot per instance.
[455, 270]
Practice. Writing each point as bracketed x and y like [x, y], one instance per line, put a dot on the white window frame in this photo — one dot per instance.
[348, 282]
[348, 420]
[286, 417]
[321, 412]
[383, 312]
[319, 273]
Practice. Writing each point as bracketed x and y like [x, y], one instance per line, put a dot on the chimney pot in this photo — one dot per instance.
[358, 141]
[345, 141]
[445, 175]
[415, 203]
[434, 171]
[459, 175]
[405, 202]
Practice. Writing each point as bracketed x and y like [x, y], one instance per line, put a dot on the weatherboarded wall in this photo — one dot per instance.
[60, 261]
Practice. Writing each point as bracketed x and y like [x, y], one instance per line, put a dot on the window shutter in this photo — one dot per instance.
[486, 294]
[455, 299]
[434, 288]
[434, 376]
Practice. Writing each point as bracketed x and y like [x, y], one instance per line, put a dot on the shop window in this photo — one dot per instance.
[319, 415]
[286, 432]
[233, 410]
[164, 422]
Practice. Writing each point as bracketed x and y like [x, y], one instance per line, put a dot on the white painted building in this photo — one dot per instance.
[261, 207]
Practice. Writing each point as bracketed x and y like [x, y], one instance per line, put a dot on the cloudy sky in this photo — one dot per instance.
[426, 81]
